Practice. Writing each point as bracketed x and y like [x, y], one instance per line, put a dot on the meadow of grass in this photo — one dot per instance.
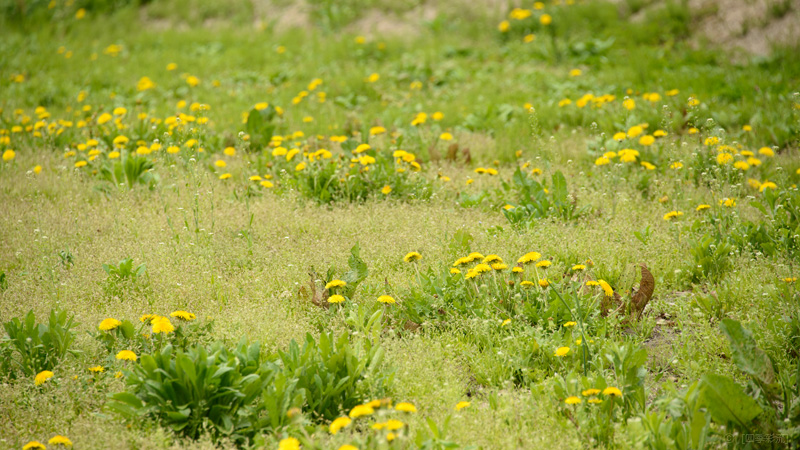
[558, 226]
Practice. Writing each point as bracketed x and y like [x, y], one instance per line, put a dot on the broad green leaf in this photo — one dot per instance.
[128, 399]
[748, 357]
[727, 402]
[559, 187]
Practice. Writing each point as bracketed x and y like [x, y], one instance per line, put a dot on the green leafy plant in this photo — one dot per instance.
[327, 177]
[202, 389]
[33, 347]
[534, 201]
[238, 393]
[260, 126]
[124, 270]
[782, 209]
[129, 171]
[711, 258]
[678, 421]
[334, 374]
[66, 257]
[435, 437]
[727, 402]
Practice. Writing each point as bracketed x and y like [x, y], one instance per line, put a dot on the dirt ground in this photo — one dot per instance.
[753, 26]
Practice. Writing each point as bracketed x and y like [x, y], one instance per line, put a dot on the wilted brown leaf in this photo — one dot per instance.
[646, 288]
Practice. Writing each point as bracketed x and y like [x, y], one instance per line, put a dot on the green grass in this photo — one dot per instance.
[240, 255]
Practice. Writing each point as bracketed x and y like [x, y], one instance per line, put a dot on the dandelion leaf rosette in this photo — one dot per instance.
[746, 355]
[260, 127]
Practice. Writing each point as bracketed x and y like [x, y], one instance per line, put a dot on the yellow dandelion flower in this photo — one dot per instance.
[162, 325]
[34, 445]
[602, 161]
[126, 355]
[42, 376]
[361, 410]
[606, 288]
[561, 351]
[767, 185]
[406, 407]
[462, 405]
[339, 423]
[144, 84]
[572, 400]
[289, 444]
[529, 257]
[724, 158]
[590, 392]
[634, 131]
[482, 268]
[412, 256]
[492, 258]
[109, 324]
[97, 369]
[612, 391]
[336, 298]
[386, 299]
[335, 283]
[183, 315]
